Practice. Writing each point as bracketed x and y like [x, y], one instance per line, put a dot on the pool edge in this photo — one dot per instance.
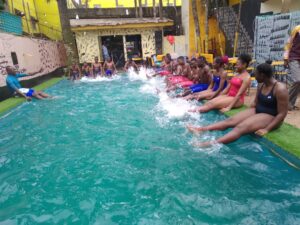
[279, 142]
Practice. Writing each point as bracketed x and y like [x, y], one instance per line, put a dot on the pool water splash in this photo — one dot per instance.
[115, 153]
[99, 79]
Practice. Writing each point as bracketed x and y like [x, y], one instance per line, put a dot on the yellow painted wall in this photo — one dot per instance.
[213, 31]
[46, 12]
[234, 2]
[124, 3]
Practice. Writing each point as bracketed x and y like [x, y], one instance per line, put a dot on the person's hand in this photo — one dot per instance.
[286, 63]
[225, 109]
[28, 99]
[262, 132]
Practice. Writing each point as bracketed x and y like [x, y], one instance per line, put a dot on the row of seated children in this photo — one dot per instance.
[200, 82]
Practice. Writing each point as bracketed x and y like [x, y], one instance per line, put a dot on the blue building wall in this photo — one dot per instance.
[10, 23]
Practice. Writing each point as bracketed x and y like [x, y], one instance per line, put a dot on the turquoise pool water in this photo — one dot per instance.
[115, 152]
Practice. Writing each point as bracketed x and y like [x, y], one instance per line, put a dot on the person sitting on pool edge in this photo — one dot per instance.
[15, 87]
[74, 72]
[218, 81]
[234, 94]
[267, 112]
[130, 63]
[97, 68]
[109, 67]
[86, 70]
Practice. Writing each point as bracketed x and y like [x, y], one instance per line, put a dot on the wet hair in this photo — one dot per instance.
[266, 69]
[202, 59]
[168, 56]
[245, 58]
[221, 60]
[201, 64]
[194, 66]
[180, 58]
[269, 61]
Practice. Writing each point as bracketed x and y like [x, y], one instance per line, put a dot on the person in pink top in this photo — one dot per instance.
[233, 95]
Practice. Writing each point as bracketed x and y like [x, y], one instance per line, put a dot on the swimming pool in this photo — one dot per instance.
[115, 152]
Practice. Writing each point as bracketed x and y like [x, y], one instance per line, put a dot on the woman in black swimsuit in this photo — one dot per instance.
[267, 112]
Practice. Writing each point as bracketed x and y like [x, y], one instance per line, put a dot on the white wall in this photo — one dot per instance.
[33, 54]
[276, 5]
[178, 47]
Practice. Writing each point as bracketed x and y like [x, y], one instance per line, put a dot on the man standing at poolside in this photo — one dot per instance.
[292, 59]
[105, 51]
[15, 87]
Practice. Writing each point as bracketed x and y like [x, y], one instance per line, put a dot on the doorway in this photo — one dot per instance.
[134, 46]
[115, 48]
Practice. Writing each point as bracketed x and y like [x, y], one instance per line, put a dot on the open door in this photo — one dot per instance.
[115, 47]
[134, 46]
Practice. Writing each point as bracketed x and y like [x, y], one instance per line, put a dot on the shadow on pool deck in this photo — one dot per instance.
[287, 137]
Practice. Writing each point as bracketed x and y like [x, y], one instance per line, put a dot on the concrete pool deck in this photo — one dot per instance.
[287, 137]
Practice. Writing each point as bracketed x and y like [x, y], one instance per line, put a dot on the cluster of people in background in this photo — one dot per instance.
[96, 69]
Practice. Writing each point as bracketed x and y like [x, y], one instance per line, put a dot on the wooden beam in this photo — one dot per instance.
[160, 9]
[141, 8]
[124, 26]
[136, 10]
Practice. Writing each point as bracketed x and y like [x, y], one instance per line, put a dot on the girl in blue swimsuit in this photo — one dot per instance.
[218, 83]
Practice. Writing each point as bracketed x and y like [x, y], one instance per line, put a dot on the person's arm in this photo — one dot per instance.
[28, 74]
[126, 66]
[189, 71]
[254, 103]
[221, 86]
[80, 73]
[243, 88]
[282, 97]
[102, 70]
[286, 53]
[115, 68]
[92, 71]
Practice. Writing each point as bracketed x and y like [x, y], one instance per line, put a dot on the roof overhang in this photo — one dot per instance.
[124, 23]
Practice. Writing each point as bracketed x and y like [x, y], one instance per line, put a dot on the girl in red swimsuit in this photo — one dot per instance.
[233, 95]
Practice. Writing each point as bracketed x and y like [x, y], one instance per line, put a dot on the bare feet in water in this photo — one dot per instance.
[194, 129]
[203, 144]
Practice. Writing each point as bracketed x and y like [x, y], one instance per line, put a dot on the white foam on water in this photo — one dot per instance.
[98, 79]
[175, 108]
[212, 149]
[140, 75]
[152, 86]
[172, 108]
